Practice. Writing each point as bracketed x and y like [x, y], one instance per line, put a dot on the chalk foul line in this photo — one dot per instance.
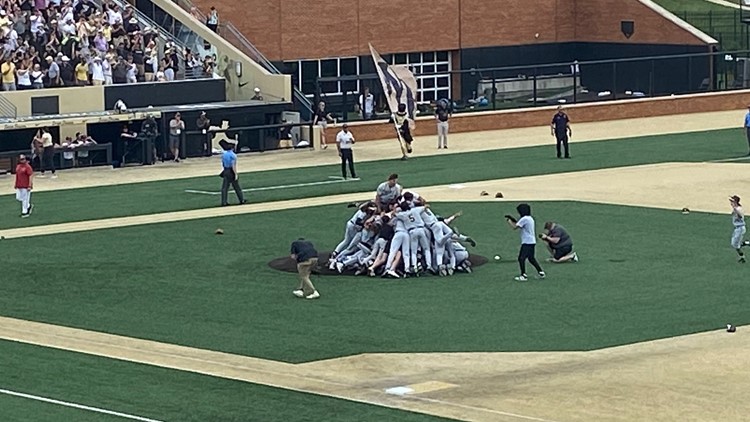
[77, 406]
[296, 185]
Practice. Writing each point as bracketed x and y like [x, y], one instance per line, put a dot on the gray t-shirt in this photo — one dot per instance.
[387, 193]
[559, 231]
[176, 127]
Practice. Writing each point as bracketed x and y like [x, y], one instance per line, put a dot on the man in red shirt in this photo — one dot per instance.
[24, 184]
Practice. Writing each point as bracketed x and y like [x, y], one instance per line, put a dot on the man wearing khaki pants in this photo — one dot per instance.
[304, 253]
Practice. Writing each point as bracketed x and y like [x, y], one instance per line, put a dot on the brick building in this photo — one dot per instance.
[310, 39]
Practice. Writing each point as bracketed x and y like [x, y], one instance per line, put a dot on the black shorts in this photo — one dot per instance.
[561, 252]
[527, 251]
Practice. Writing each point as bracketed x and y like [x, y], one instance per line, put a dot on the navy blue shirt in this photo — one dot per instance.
[304, 250]
[561, 123]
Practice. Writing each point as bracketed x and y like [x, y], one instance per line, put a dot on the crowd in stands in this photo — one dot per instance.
[55, 43]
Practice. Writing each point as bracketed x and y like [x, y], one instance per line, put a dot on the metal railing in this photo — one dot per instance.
[725, 26]
[7, 109]
[563, 83]
[234, 36]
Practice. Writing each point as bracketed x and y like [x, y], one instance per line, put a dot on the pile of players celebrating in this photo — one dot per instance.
[397, 235]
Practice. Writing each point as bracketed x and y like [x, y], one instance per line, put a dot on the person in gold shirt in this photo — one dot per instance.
[8, 70]
[82, 72]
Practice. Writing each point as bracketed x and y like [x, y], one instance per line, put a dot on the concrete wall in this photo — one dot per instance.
[70, 100]
[238, 88]
[305, 29]
[541, 116]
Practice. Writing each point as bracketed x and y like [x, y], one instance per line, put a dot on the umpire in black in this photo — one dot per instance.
[561, 131]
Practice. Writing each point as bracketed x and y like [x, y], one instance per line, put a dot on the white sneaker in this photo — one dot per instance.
[450, 270]
[521, 277]
[542, 275]
[54, 176]
[340, 267]
[298, 293]
[313, 295]
[332, 265]
[371, 272]
[392, 273]
[442, 271]
[575, 257]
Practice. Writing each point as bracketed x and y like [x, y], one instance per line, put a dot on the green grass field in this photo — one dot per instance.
[164, 196]
[644, 274]
[157, 393]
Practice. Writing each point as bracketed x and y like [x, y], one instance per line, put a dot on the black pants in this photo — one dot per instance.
[406, 133]
[347, 155]
[527, 253]
[228, 178]
[562, 141]
[48, 162]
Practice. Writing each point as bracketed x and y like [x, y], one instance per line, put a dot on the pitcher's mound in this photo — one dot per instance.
[286, 264]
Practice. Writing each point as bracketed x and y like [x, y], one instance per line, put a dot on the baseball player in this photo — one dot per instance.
[24, 184]
[400, 243]
[412, 219]
[387, 193]
[353, 227]
[738, 221]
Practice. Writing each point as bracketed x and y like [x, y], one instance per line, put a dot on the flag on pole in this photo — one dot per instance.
[399, 84]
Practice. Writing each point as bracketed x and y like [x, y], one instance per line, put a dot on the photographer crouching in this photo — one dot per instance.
[559, 243]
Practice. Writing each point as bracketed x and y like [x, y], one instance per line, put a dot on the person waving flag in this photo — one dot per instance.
[400, 88]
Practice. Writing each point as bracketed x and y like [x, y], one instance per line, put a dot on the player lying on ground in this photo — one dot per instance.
[406, 240]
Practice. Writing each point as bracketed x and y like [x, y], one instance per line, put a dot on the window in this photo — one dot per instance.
[432, 71]
[306, 72]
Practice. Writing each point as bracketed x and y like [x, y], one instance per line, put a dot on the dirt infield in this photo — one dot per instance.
[696, 377]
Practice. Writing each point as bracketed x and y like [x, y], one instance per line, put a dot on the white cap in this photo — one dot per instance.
[65, 58]
[257, 89]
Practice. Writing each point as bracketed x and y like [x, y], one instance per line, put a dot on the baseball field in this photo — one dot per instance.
[120, 303]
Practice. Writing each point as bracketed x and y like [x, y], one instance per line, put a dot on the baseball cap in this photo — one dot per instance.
[735, 198]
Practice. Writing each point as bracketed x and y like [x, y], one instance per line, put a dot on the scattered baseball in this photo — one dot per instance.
[536, 35]
[497, 257]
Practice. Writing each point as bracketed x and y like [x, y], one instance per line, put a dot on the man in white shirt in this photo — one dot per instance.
[344, 142]
[528, 240]
[97, 71]
[367, 104]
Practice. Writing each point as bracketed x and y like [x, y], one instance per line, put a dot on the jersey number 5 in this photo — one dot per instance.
[411, 218]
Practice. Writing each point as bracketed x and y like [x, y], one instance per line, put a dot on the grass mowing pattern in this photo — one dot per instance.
[158, 393]
[645, 274]
[165, 196]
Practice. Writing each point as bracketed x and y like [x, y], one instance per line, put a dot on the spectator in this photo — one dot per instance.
[120, 71]
[258, 96]
[107, 69]
[24, 77]
[8, 70]
[168, 69]
[82, 71]
[176, 126]
[212, 22]
[203, 124]
[53, 72]
[132, 71]
[67, 73]
[97, 71]
[37, 77]
[367, 104]
[150, 64]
